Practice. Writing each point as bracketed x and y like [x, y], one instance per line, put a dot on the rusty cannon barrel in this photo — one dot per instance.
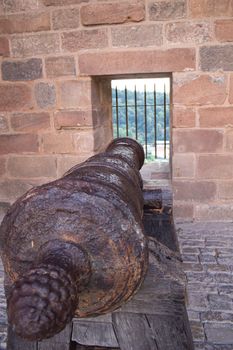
[76, 246]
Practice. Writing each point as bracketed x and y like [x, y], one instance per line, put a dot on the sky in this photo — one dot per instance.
[130, 84]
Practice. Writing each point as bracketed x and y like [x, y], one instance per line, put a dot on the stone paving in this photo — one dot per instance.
[207, 251]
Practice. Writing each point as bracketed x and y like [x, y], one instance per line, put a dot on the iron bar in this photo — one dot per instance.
[145, 119]
[126, 112]
[117, 113]
[136, 112]
[155, 122]
[165, 124]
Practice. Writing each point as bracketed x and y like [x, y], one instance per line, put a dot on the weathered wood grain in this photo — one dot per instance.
[133, 332]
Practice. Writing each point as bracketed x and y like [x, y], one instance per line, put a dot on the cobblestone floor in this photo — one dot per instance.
[207, 250]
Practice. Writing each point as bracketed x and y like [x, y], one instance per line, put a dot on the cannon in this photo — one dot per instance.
[76, 246]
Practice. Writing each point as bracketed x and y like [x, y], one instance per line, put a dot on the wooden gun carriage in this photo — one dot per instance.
[75, 255]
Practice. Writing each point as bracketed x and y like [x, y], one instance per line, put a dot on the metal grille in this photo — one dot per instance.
[143, 115]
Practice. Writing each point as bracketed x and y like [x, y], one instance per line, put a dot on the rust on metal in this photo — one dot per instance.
[76, 246]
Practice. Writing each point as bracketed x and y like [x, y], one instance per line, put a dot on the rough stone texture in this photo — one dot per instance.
[197, 141]
[22, 70]
[183, 165]
[183, 117]
[213, 58]
[216, 117]
[12, 189]
[64, 163]
[4, 125]
[12, 6]
[215, 166]
[84, 39]
[225, 190]
[62, 3]
[146, 35]
[2, 166]
[18, 143]
[190, 89]
[215, 212]
[167, 10]
[186, 32]
[75, 94]
[58, 143]
[14, 97]
[194, 190]
[73, 119]
[4, 47]
[229, 139]
[32, 167]
[33, 22]
[37, 44]
[136, 61]
[45, 95]
[213, 8]
[65, 18]
[231, 89]
[224, 30]
[59, 66]
[30, 122]
[112, 13]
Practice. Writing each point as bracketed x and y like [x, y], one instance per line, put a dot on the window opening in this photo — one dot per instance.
[141, 110]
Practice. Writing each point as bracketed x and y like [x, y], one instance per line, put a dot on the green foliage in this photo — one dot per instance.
[150, 129]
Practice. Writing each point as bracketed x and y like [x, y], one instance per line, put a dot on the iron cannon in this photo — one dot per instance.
[76, 246]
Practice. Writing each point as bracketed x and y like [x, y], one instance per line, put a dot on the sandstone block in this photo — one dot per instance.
[21, 23]
[197, 141]
[183, 117]
[73, 119]
[231, 89]
[167, 10]
[2, 165]
[225, 190]
[22, 70]
[123, 62]
[186, 32]
[190, 89]
[133, 36]
[215, 166]
[4, 126]
[213, 58]
[12, 6]
[84, 39]
[75, 94]
[14, 97]
[229, 139]
[58, 143]
[10, 190]
[65, 18]
[112, 12]
[59, 66]
[30, 122]
[183, 165]
[45, 94]
[194, 190]
[35, 44]
[62, 3]
[18, 143]
[183, 210]
[224, 30]
[4, 47]
[64, 163]
[213, 8]
[216, 117]
[32, 167]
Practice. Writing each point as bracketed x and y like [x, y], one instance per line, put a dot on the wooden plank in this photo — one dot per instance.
[133, 332]
[94, 334]
[170, 332]
[14, 342]
[60, 341]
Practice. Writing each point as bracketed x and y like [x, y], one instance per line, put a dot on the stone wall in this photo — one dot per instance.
[55, 105]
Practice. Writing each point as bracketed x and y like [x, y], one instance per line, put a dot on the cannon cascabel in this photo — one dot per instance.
[76, 246]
